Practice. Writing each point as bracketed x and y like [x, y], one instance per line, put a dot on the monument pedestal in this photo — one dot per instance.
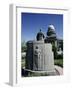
[31, 73]
[40, 60]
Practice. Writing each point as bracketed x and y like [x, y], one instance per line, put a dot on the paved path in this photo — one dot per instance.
[59, 70]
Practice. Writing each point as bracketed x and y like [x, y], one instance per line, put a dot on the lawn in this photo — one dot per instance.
[58, 62]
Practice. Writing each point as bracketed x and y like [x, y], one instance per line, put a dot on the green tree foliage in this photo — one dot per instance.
[23, 46]
[54, 49]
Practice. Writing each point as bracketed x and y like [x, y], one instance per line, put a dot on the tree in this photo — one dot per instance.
[54, 49]
[23, 46]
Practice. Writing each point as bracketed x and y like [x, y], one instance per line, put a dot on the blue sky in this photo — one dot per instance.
[31, 23]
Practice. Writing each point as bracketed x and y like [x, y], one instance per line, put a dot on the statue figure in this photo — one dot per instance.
[40, 36]
[37, 55]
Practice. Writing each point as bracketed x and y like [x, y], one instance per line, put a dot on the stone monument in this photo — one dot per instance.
[39, 57]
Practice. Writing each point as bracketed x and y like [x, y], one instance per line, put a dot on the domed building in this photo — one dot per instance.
[51, 36]
[51, 31]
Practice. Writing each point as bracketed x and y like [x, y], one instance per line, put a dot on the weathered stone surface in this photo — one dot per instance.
[38, 55]
[48, 58]
[29, 55]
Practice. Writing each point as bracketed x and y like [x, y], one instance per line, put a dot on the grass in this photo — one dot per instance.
[58, 62]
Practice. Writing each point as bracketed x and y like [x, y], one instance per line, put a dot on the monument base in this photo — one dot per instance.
[31, 73]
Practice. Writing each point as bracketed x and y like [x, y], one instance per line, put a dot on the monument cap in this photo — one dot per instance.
[40, 35]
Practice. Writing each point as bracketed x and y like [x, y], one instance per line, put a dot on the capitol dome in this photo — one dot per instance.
[51, 30]
[51, 27]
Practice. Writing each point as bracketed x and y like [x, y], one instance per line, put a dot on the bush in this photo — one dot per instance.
[23, 49]
[59, 56]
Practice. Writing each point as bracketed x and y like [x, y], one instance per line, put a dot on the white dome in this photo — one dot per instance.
[51, 27]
